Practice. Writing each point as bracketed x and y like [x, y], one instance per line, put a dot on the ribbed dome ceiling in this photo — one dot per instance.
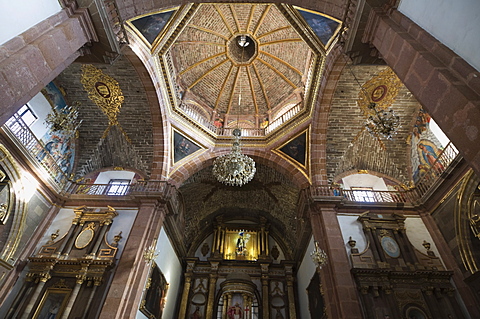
[213, 70]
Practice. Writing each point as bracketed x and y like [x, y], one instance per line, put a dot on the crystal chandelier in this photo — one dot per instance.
[234, 168]
[319, 256]
[64, 120]
[383, 123]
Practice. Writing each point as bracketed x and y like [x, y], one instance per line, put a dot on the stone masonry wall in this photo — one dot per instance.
[346, 121]
[134, 118]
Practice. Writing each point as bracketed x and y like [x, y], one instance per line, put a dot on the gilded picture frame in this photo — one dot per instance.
[53, 303]
[154, 294]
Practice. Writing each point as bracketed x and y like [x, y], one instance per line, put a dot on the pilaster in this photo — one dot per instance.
[32, 59]
[126, 287]
[340, 292]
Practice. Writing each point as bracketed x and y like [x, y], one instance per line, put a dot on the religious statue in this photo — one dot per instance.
[196, 314]
[235, 312]
[240, 244]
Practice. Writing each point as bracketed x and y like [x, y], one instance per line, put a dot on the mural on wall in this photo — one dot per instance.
[182, 147]
[296, 149]
[59, 145]
[151, 26]
[325, 28]
[425, 147]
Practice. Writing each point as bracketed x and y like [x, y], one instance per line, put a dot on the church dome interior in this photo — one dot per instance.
[235, 160]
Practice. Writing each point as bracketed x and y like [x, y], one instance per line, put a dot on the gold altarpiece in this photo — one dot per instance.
[239, 276]
[67, 274]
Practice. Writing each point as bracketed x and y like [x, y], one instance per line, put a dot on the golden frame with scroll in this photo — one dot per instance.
[53, 302]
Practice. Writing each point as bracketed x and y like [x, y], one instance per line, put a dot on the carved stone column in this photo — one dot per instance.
[96, 283]
[125, 290]
[43, 279]
[73, 296]
[105, 227]
[245, 306]
[44, 51]
[226, 304]
[340, 291]
[450, 263]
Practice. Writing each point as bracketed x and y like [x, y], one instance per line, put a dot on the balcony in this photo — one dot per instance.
[35, 151]
[425, 186]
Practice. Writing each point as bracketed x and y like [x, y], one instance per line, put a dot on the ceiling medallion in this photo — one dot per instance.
[104, 91]
[234, 168]
[374, 98]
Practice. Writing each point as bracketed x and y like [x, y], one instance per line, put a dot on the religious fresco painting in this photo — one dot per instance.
[151, 26]
[59, 145]
[296, 149]
[421, 123]
[323, 27]
[425, 147]
[428, 153]
[182, 147]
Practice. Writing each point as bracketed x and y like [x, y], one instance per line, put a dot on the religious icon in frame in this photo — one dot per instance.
[154, 294]
[53, 303]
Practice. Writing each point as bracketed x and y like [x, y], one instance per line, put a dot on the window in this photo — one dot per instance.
[363, 194]
[23, 115]
[27, 115]
[118, 186]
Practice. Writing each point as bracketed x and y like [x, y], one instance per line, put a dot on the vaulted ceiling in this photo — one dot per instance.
[195, 63]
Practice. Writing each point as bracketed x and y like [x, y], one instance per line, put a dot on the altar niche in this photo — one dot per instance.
[238, 298]
[241, 245]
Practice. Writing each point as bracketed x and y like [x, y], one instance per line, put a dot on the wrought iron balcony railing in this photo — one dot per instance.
[426, 182]
[34, 149]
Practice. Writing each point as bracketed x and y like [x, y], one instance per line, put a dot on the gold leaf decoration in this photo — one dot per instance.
[381, 90]
[105, 92]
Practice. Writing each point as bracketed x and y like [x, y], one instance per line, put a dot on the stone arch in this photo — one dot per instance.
[275, 230]
[159, 151]
[370, 172]
[270, 159]
[334, 66]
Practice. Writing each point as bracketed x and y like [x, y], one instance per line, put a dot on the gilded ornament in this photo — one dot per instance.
[104, 91]
[381, 90]
[86, 236]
